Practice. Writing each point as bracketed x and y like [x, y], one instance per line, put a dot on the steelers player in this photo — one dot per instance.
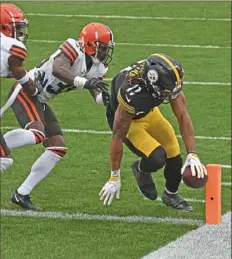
[135, 120]
[77, 64]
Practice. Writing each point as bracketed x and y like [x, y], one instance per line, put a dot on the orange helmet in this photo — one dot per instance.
[97, 39]
[13, 23]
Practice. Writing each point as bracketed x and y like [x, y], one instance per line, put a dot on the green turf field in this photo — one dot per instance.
[202, 46]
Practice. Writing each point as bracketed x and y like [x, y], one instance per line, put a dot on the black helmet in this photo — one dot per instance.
[162, 76]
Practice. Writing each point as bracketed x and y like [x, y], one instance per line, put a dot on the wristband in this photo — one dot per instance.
[24, 79]
[99, 99]
[115, 173]
[79, 82]
[191, 151]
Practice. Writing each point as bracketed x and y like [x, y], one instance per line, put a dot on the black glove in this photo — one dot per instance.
[96, 83]
[106, 98]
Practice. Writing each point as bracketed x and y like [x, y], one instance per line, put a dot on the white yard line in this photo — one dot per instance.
[85, 216]
[226, 184]
[106, 132]
[109, 132]
[123, 17]
[223, 183]
[206, 242]
[193, 83]
[226, 166]
[147, 44]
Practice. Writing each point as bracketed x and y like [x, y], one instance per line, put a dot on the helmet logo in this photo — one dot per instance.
[152, 76]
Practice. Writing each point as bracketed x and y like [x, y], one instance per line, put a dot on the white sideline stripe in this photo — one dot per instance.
[149, 44]
[131, 17]
[106, 132]
[84, 216]
[208, 241]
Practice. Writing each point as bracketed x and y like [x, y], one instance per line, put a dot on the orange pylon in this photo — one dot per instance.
[213, 195]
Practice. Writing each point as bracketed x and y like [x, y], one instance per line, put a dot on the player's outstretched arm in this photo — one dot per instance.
[122, 122]
[20, 74]
[179, 108]
[62, 70]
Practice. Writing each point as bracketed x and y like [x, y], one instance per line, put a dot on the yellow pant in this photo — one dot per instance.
[151, 131]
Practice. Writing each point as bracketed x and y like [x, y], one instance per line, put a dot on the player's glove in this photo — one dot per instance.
[96, 83]
[111, 190]
[196, 166]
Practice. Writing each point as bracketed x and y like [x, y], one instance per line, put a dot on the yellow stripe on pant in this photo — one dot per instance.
[151, 131]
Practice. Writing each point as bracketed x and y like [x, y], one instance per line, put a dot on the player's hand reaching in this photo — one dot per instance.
[96, 83]
[110, 190]
[197, 168]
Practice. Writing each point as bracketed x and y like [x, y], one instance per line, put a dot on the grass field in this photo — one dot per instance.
[203, 47]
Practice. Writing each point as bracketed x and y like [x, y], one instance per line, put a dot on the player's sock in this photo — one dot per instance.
[172, 173]
[168, 192]
[21, 137]
[41, 168]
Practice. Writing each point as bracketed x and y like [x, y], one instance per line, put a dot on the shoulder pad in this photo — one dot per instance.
[18, 49]
[125, 100]
[72, 49]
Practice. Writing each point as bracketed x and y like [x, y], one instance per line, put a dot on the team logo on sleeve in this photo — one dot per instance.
[152, 76]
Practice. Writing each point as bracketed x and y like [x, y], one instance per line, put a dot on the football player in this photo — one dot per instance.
[13, 36]
[135, 119]
[77, 64]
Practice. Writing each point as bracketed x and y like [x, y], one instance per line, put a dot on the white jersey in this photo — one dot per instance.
[10, 47]
[49, 85]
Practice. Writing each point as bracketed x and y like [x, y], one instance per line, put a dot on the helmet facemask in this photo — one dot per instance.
[165, 95]
[103, 51]
[22, 31]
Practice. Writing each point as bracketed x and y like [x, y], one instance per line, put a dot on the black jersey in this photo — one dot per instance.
[135, 98]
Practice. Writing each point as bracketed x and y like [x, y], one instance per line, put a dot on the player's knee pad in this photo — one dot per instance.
[5, 163]
[60, 151]
[156, 160]
[39, 136]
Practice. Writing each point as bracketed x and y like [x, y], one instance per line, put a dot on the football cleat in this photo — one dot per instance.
[145, 182]
[175, 201]
[23, 201]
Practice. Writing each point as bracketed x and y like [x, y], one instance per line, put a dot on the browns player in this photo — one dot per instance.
[135, 119]
[77, 64]
[13, 36]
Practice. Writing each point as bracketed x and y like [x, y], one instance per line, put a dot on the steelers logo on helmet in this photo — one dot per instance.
[152, 76]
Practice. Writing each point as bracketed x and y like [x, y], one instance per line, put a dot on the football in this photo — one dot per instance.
[193, 181]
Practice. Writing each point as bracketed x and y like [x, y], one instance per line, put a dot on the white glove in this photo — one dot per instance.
[110, 190]
[194, 162]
